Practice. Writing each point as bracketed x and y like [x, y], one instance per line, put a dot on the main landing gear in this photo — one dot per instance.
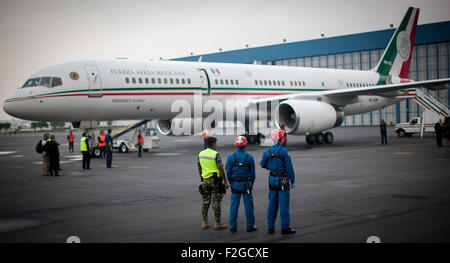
[320, 138]
[253, 139]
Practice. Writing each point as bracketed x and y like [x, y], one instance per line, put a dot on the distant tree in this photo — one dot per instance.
[57, 124]
[39, 124]
[5, 125]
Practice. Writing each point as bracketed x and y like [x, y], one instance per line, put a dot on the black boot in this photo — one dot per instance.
[288, 231]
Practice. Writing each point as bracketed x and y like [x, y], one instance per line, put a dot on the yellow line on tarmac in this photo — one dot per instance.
[138, 167]
[358, 150]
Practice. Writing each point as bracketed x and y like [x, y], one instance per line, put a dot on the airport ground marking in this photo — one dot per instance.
[359, 150]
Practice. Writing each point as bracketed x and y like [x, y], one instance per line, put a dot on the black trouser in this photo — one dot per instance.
[439, 139]
[86, 160]
[383, 138]
[70, 146]
[54, 166]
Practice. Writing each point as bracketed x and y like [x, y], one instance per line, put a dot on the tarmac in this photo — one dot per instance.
[346, 192]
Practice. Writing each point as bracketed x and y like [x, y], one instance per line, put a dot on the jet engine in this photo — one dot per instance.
[179, 126]
[302, 117]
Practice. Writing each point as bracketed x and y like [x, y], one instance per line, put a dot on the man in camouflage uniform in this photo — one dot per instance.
[212, 174]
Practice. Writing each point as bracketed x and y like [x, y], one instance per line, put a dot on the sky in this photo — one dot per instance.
[38, 33]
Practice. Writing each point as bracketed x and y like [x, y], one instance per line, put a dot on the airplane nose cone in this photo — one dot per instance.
[8, 108]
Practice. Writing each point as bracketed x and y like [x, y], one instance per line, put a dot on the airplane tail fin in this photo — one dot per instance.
[397, 56]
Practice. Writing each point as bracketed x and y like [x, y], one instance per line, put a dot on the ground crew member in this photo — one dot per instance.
[58, 156]
[140, 143]
[85, 149]
[40, 148]
[51, 148]
[109, 149]
[283, 135]
[205, 135]
[438, 132]
[383, 132]
[240, 169]
[71, 140]
[102, 144]
[281, 180]
[212, 174]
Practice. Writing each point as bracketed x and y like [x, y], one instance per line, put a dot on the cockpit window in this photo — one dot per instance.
[48, 82]
[45, 82]
[56, 82]
[31, 83]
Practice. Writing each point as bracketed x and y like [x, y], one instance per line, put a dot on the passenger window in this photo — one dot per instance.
[226, 81]
[56, 82]
[256, 82]
[278, 82]
[270, 83]
[265, 82]
[188, 81]
[159, 80]
[292, 84]
[146, 80]
[133, 80]
[237, 82]
[231, 82]
[177, 81]
[221, 81]
[295, 83]
[140, 80]
[165, 81]
[127, 80]
[260, 82]
[153, 80]
[216, 81]
[282, 82]
[171, 81]
[304, 83]
[182, 81]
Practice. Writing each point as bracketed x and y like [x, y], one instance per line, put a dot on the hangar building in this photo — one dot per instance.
[430, 60]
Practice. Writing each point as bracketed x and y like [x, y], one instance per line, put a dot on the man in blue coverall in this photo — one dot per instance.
[281, 180]
[240, 169]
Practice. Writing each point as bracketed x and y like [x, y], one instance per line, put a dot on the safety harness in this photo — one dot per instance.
[242, 179]
[281, 176]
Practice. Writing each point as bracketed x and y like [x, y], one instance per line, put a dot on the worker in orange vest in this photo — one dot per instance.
[284, 135]
[139, 143]
[205, 135]
[71, 139]
[102, 144]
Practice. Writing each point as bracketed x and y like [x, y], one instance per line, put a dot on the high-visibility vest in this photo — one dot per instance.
[140, 139]
[283, 135]
[101, 140]
[71, 137]
[83, 144]
[205, 134]
[207, 160]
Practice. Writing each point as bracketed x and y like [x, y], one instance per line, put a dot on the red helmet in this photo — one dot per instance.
[276, 135]
[240, 141]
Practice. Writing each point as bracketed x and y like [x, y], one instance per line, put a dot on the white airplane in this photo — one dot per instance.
[311, 100]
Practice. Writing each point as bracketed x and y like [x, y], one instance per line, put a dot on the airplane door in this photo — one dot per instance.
[206, 84]
[95, 82]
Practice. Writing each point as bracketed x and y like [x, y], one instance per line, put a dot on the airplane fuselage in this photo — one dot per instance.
[137, 89]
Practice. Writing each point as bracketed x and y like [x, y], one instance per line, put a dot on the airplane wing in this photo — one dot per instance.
[347, 95]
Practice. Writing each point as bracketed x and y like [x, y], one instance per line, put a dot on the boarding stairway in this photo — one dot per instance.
[128, 128]
[427, 101]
